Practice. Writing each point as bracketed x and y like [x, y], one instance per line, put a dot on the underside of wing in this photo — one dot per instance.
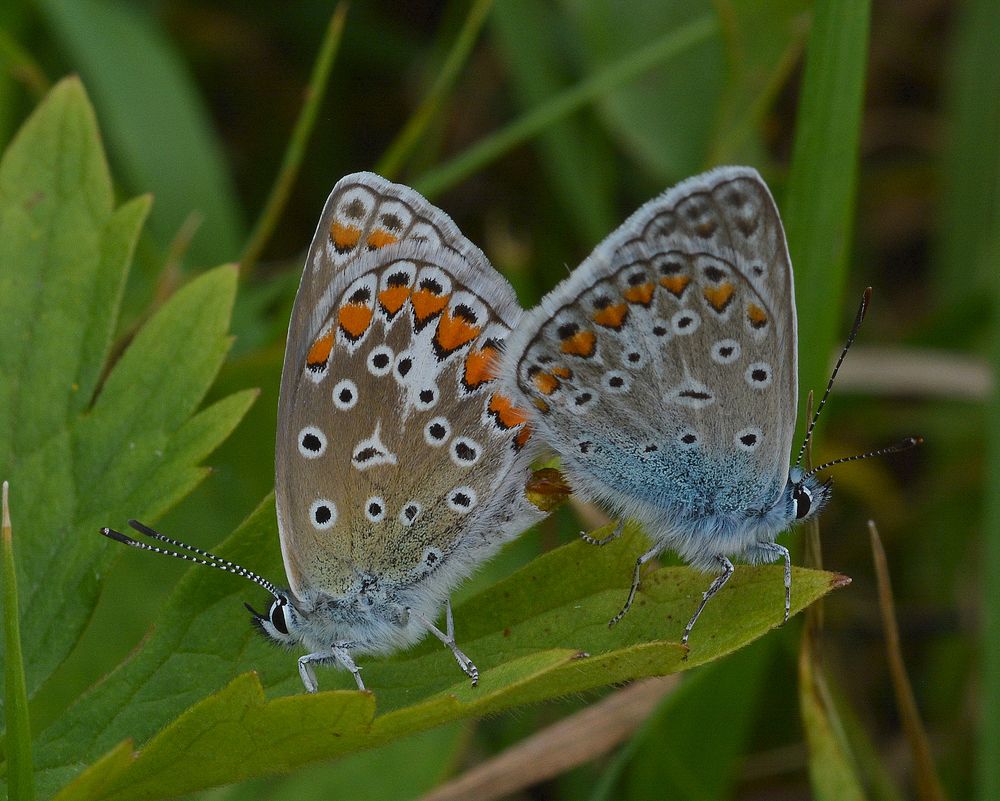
[664, 368]
[398, 460]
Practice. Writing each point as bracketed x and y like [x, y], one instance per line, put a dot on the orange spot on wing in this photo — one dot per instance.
[320, 351]
[393, 298]
[561, 372]
[504, 411]
[643, 293]
[379, 238]
[675, 284]
[612, 316]
[522, 437]
[480, 366]
[720, 296]
[344, 237]
[427, 304]
[541, 405]
[546, 382]
[756, 315]
[582, 343]
[354, 319]
[453, 332]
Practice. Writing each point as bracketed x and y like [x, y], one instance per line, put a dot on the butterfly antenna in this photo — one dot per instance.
[200, 556]
[858, 318]
[902, 445]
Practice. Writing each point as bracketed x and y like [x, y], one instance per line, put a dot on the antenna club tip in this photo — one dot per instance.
[866, 299]
[914, 441]
[111, 534]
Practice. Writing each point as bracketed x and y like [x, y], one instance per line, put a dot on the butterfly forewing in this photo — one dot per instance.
[665, 365]
[396, 452]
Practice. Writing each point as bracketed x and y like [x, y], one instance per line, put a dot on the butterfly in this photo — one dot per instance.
[663, 371]
[399, 464]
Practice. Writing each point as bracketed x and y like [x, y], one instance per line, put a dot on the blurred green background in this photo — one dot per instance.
[197, 103]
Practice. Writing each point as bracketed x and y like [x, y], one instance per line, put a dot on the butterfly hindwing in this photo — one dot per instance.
[664, 368]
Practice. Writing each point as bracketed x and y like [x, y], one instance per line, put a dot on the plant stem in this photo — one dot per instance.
[297, 144]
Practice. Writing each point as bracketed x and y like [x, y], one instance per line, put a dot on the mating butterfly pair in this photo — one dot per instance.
[415, 394]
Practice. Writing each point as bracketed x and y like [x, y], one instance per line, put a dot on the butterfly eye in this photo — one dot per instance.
[802, 501]
[277, 616]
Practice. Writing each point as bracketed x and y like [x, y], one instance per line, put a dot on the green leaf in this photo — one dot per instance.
[79, 454]
[17, 740]
[424, 759]
[539, 634]
[819, 203]
[667, 758]
[158, 130]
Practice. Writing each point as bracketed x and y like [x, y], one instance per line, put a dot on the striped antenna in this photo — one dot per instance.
[859, 317]
[903, 445]
[202, 557]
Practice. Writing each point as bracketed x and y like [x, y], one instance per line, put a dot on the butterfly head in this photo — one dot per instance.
[282, 621]
[805, 495]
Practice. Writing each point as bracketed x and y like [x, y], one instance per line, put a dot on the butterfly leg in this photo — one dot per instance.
[338, 654]
[717, 584]
[448, 638]
[775, 551]
[604, 540]
[650, 554]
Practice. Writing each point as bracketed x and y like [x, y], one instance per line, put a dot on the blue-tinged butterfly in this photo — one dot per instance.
[664, 372]
[400, 466]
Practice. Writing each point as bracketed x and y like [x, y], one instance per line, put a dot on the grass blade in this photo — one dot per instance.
[315, 91]
[970, 205]
[402, 146]
[540, 118]
[819, 202]
[928, 785]
[531, 39]
[20, 774]
[988, 769]
[22, 65]
[833, 771]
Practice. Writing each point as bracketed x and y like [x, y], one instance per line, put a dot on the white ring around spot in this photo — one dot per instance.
[455, 506]
[381, 350]
[759, 383]
[409, 521]
[749, 431]
[433, 441]
[456, 445]
[678, 325]
[316, 506]
[726, 344]
[315, 432]
[345, 394]
[379, 516]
